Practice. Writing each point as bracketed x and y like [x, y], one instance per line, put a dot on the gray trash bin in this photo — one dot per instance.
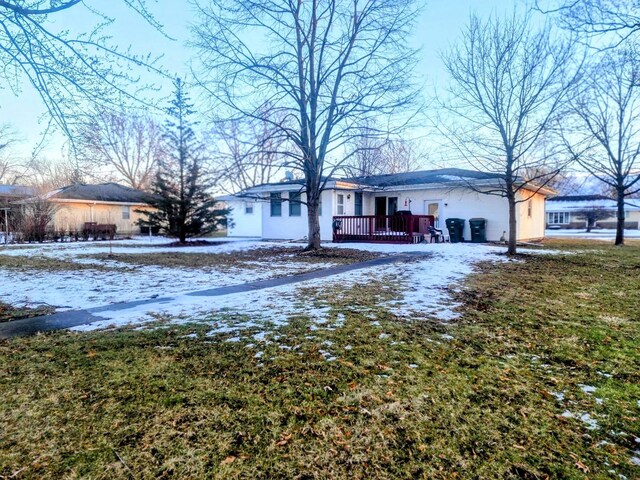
[478, 230]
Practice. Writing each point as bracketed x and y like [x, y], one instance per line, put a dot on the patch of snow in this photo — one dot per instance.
[587, 419]
[587, 388]
[559, 396]
[598, 234]
[446, 336]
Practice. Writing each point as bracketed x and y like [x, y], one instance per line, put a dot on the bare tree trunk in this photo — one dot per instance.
[511, 199]
[313, 202]
[620, 216]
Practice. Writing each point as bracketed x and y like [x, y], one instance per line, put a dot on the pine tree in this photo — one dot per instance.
[181, 203]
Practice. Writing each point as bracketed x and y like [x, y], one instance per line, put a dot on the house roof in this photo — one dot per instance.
[578, 198]
[443, 176]
[16, 191]
[103, 192]
[424, 177]
[568, 203]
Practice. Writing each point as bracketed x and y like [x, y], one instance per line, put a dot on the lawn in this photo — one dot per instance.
[538, 378]
[83, 275]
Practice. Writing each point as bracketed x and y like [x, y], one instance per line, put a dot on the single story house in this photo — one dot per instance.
[105, 203]
[564, 211]
[273, 211]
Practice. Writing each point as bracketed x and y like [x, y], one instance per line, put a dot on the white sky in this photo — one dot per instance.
[439, 26]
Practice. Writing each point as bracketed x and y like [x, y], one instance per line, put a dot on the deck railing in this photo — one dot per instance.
[381, 228]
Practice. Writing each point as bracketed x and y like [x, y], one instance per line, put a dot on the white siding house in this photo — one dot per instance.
[448, 193]
[565, 211]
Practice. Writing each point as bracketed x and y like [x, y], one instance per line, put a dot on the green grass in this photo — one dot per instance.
[399, 400]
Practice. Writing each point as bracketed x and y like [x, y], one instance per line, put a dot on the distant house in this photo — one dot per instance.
[12, 193]
[105, 203]
[563, 211]
[274, 211]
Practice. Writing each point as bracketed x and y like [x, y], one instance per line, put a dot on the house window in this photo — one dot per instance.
[276, 204]
[126, 212]
[340, 204]
[294, 204]
[248, 208]
[529, 209]
[558, 218]
[358, 204]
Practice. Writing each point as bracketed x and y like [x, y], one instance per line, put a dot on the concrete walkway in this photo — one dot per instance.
[74, 318]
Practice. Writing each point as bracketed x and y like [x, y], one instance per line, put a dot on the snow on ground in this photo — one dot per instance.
[134, 245]
[424, 284]
[122, 282]
[597, 234]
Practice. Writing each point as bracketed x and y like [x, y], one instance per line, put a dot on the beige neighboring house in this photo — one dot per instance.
[105, 203]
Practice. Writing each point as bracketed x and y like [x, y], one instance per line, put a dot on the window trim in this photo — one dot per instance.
[558, 218]
[248, 208]
[340, 205]
[275, 204]
[126, 212]
[295, 199]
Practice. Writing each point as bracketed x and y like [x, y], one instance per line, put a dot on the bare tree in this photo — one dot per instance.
[47, 175]
[605, 138]
[248, 152]
[326, 67]
[507, 83]
[592, 215]
[66, 70]
[11, 171]
[126, 142]
[373, 156]
[617, 19]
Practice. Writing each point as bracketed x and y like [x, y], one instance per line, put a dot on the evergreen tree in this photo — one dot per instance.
[182, 205]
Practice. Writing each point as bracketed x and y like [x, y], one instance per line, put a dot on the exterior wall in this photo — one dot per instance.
[531, 227]
[286, 227]
[242, 224]
[455, 203]
[71, 216]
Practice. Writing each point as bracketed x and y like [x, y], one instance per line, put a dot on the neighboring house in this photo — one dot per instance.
[105, 203]
[563, 211]
[265, 211]
[12, 193]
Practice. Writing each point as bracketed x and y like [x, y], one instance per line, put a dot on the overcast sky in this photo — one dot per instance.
[438, 26]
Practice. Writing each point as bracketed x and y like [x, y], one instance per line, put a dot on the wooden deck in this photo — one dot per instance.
[381, 228]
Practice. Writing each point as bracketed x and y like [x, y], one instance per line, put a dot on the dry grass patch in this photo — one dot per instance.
[10, 312]
[243, 258]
